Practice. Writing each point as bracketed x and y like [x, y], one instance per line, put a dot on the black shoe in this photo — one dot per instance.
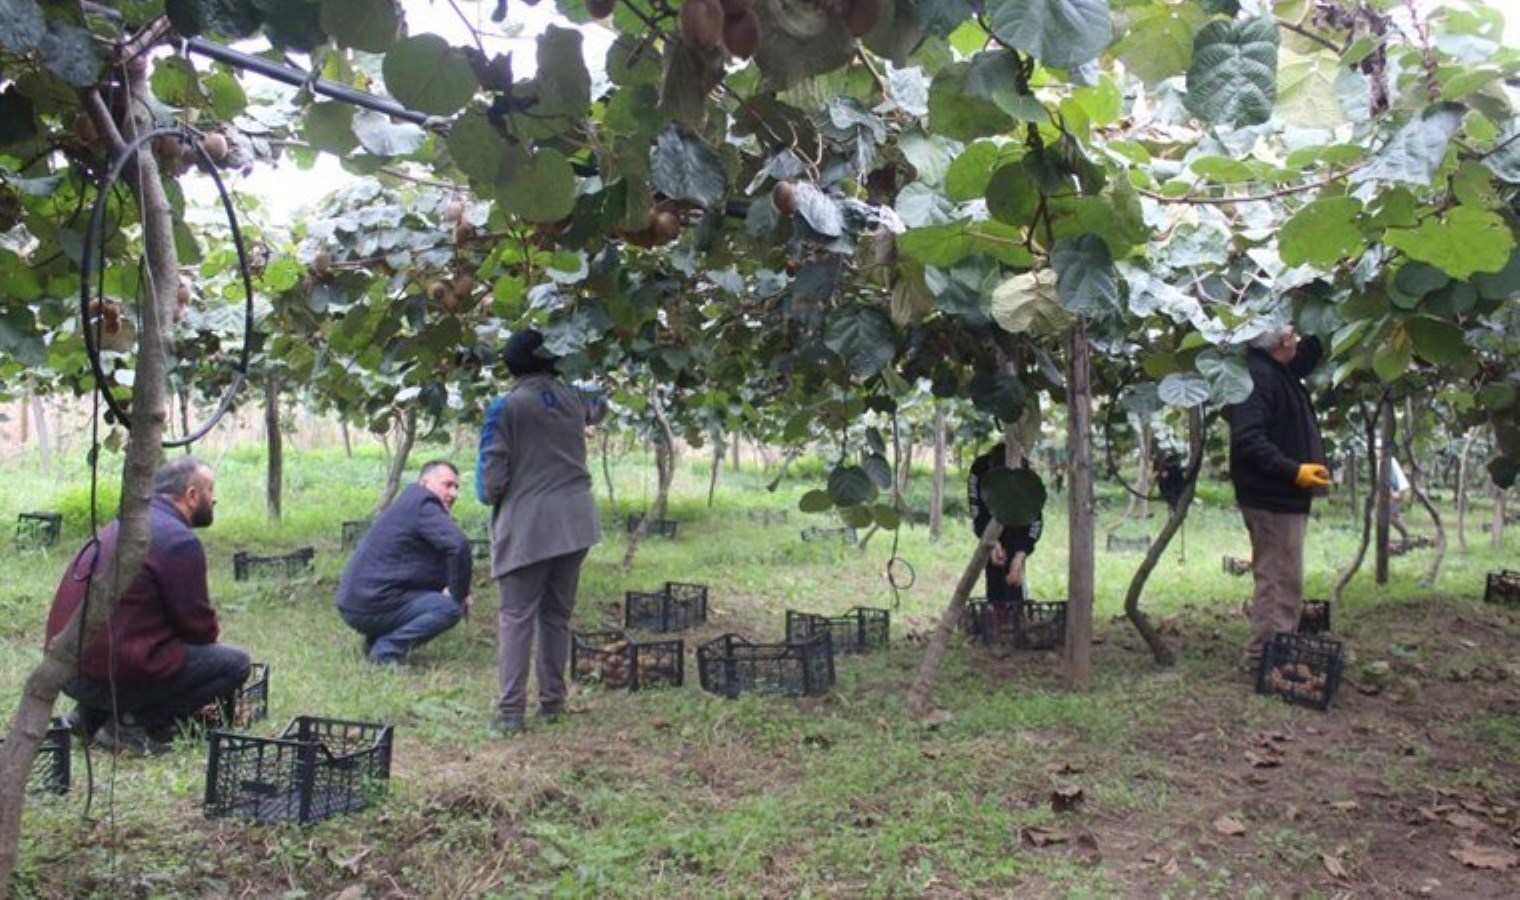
[550, 714]
[508, 725]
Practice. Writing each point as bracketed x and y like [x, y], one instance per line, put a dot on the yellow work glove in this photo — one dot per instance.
[1312, 475]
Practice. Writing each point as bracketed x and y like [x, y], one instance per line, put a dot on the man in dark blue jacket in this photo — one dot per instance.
[1277, 463]
[409, 579]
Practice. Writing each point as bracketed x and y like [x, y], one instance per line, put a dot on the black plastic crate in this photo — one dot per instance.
[480, 548]
[971, 618]
[677, 607]
[250, 704]
[1117, 544]
[1314, 618]
[1028, 625]
[1235, 566]
[860, 630]
[662, 527]
[316, 768]
[1503, 587]
[731, 665]
[245, 565]
[353, 531]
[767, 516]
[610, 658]
[1300, 669]
[38, 529]
[50, 768]
[844, 535]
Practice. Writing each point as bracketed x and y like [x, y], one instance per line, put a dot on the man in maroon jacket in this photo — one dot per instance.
[157, 662]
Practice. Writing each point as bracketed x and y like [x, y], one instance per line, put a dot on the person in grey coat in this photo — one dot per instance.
[543, 522]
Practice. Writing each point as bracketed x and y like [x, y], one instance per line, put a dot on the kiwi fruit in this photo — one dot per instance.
[702, 24]
[741, 33]
[439, 291]
[464, 284]
[216, 146]
[666, 227]
[321, 264]
[784, 195]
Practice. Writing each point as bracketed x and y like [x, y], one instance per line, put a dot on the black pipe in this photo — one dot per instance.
[296, 78]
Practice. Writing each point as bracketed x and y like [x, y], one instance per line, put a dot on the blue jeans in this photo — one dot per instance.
[395, 632]
[212, 672]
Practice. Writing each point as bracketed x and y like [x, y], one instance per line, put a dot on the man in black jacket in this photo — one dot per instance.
[1277, 463]
[409, 579]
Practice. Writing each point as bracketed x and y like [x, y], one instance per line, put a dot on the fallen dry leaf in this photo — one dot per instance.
[1041, 837]
[1086, 846]
[1229, 825]
[1065, 768]
[1292, 813]
[1334, 866]
[1171, 869]
[1466, 822]
[1344, 805]
[1480, 857]
[938, 717]
[1263, 760]
[1066, 798]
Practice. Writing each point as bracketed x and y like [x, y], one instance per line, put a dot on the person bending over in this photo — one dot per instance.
[1005, 567]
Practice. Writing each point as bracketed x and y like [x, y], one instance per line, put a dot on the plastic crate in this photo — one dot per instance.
[971, 619]
[1300, 669]
[844, 535]
[767, 516]
[1117, 544]
[250, 704]
[1235, 566]
[730, 665]
[1029, 625]
[662, 527]
[1314, 618]
[353, 531]
[677, 607]
[610, 658]
[38, 529]
[50, 768]
[245, 565]
[316, 768]
[1503, 587]
[860, 630]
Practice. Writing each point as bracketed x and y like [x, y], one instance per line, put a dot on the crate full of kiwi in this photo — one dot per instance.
[1300, 669]
[609, 658]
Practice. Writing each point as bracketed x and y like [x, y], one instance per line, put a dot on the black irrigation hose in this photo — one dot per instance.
[86, 264]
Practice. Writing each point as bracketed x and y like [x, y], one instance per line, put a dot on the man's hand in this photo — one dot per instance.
[999, 558]
[1016, 570]
[467, 604]
[1312, 475]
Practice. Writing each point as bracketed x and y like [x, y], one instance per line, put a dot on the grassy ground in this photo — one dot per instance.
[1405, 785]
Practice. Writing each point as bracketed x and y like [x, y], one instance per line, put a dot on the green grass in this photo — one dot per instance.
[678, 792]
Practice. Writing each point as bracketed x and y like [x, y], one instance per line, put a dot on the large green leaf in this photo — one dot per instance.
[380, 136]
[1306, 90]
[1437, 341]
[1463, 242]
[564, 85]
[1013, 194]
[1028, 303]
[1085, 277]
[683, 167]
[428, 75]
[815, 501]
[175, 82]
[956, 113]
[1229, 379]
[864, 338]
[476, 146]
[1393, 356]
[69, 52]
[329, 126]
[371, 25]
[1233, 78]
[998, 394]
[1322, 233]
[1159, 41]
[1015, 497]
[819, 210]
[22, 26]
[1058, 33]
[541, 191]
[1184, 389]
[851, 486]
[292, 25]
[1416, 151]
[969, 172]
[1504, 160]
[945, 245]
[879, 469]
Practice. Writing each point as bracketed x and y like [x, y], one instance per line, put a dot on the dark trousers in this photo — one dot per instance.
[395, 632]
[538, 598]
[212, 673]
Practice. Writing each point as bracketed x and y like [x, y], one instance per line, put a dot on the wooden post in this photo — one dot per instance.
[1079, 572]
[937, 492]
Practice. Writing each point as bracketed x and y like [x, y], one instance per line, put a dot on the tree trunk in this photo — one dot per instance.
[44, 438]
[348, 447]
[1496, 528]
[1079, 572]
[937, 492]
[905, 466]
[786, 463]
[734, 464]
[928, 668]
[664, 463]
[23, 421]
[1411, 416]
[143, 454]
[717, 463]
[1353, 476]
[275, 480]
[607, 474]
[1462, 471]
[1361, 550]
[1159, 650]
[406, 425]
[1384, 481]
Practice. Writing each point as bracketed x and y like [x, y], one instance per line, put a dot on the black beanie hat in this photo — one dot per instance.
[522, 353]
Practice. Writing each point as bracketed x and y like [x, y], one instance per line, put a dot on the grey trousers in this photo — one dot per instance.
[1277, 562]
[536, 598]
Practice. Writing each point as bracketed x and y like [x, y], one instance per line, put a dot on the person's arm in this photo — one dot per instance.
[443, 534]
[492, 467]
[1306, 360]
[180, 574]
[1248, 438]
[594, 400]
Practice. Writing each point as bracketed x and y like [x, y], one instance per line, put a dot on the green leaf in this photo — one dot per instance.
[819, 210]
[1013, 195]
[1015, 497]
[1505, 283]
[1504, 160]
[943, 246]
[69, 52]
[886, 516]
[478, 149]
[426, 74]
[683, 167]
[1085, 277]
[815, 501]
[864, 338]
[329, 126]
[1504, 471]
[227, 98]
[175, 82]
[1058, 33]
[1394, 356]
[1233, 78]
[18, 116]
[371, 25]
[1306, 91]
[564, 85]
[929, 155]
[632, 61]
[292, 25]
[1416, 151]
[856, 516]
[1184, 389]
[918, 204]
[1159, 41]
[22, 26]
[956, 113]
[1438, 342]
[969, 172]
[1463, 242]
[1027, 303]
[380, 136]
[851, 486]
[1229, 379]
[1323, 233]
[999, 394]
[879, 469]
[541, 191]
